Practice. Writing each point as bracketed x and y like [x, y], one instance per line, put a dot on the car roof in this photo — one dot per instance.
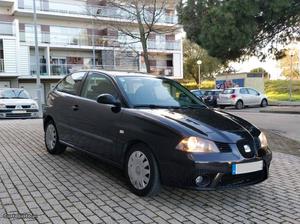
[121, 73]
[214, 90]
[11, 89]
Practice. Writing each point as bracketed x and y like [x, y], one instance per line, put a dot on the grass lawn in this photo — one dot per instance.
[279, 90]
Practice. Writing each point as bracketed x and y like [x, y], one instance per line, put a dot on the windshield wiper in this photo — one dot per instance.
[154, 106]
[193, 107]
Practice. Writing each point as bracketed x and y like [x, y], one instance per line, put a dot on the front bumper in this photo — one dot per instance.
[214, 175]
[28, 113]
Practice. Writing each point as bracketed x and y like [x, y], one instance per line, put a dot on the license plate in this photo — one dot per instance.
[18, 111]
[241, 168]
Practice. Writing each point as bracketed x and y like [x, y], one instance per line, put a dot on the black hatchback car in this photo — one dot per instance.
[154, 129]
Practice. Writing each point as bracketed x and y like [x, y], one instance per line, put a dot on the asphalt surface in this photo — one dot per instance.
[287, 125]
[36, 187]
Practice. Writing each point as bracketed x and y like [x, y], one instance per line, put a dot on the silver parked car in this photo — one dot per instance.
[17, 103]
[241, 97]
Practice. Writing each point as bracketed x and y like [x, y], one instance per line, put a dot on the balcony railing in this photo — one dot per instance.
[81, 8]
[65, 69]
[1, 65]
[6, 28]
[99, 41]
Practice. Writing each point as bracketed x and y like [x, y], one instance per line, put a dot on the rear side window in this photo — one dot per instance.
[243, 91]
[71, 83]
[228, 91]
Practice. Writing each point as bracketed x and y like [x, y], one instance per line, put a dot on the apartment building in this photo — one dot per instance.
[68, 34]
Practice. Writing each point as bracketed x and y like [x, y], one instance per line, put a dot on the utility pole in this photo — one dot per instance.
[93, 42]
[37, 62]
[199, 62]
[291, 75]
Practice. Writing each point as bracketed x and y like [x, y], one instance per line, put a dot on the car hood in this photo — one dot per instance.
[17, 101]
[212, 124]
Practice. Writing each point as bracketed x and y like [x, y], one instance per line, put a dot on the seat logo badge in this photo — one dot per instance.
[122, 132]
[18, 107]
[247, 148]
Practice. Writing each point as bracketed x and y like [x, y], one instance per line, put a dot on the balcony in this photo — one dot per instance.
[6, 29]
[1, 65]
[84, 9]
[65, 69]
[99, 41]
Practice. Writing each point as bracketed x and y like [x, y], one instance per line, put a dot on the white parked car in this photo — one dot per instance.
[17, 103]
[241, 97]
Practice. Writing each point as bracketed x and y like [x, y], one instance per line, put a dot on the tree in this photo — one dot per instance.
[233, 28]
[290, 65]
[191, 54]
[261, 70]
[145, 14]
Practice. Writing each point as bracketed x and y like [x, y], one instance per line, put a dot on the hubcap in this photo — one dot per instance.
[139, 170]
[50, 136]
[240, 105]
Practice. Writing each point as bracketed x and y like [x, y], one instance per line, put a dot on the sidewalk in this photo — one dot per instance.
[282, 109]
[285, 103]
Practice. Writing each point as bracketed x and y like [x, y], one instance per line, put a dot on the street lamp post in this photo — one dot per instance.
[199, 62]
[37, 62]
[292, 53]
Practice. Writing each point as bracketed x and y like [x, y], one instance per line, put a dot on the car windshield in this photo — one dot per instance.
[157, 93]
[14, 94]
[228, 91]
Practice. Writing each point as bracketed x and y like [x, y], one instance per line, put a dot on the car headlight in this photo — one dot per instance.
[2, 106]
[196, 144]
[263, 140]
[34, 106]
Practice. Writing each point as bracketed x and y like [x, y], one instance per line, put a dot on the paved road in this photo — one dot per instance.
[75, 188]
[285, 124]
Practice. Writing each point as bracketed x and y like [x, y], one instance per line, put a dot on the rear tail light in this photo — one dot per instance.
[233, 96]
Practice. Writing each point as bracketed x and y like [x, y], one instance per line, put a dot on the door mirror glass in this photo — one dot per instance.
[108, 99]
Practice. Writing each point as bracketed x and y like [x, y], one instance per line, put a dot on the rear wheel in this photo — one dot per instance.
[51, 139]
[239, 105]
[264, 103]
[222, 107]
[142, 171]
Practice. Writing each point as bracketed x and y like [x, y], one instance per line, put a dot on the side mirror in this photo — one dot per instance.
[258, 94]
[109, 100]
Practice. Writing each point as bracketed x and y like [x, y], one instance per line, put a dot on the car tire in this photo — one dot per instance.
[264, 103]
[142, 171]
[51, 139]
[239, 105]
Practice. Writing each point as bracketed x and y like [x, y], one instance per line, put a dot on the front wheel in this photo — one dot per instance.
[264, 103]
[142, 171]
[51, 139]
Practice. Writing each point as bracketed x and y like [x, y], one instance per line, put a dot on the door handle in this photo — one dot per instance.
[75, 107]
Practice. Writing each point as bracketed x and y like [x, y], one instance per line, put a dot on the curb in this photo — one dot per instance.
[280, 111]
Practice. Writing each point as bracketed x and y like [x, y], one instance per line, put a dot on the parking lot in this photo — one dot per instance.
[73, 187]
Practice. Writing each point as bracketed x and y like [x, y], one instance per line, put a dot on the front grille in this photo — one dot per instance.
[223, 147]
[250, 143]
[240, 179]
[10, 106]
[25, 106]
[18, 115]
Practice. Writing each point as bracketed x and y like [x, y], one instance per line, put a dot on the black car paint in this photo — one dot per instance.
[94, 128]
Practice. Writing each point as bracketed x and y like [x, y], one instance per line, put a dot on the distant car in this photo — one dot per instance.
[198, 93]
[210, 97]
[241, 97]
[17, 103]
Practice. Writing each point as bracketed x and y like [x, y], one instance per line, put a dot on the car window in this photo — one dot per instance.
[97, 84]
[243, 91]
[71, 83]
[228, 91]
[14, 94]
[145, 91]
[252, 92]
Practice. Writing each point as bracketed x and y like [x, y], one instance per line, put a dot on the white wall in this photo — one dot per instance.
[24, 60]
[177, 65]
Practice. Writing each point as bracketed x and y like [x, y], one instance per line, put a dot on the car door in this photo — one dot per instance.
[66, 96]
[98, 123]
[245, 96]
[254, 96]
